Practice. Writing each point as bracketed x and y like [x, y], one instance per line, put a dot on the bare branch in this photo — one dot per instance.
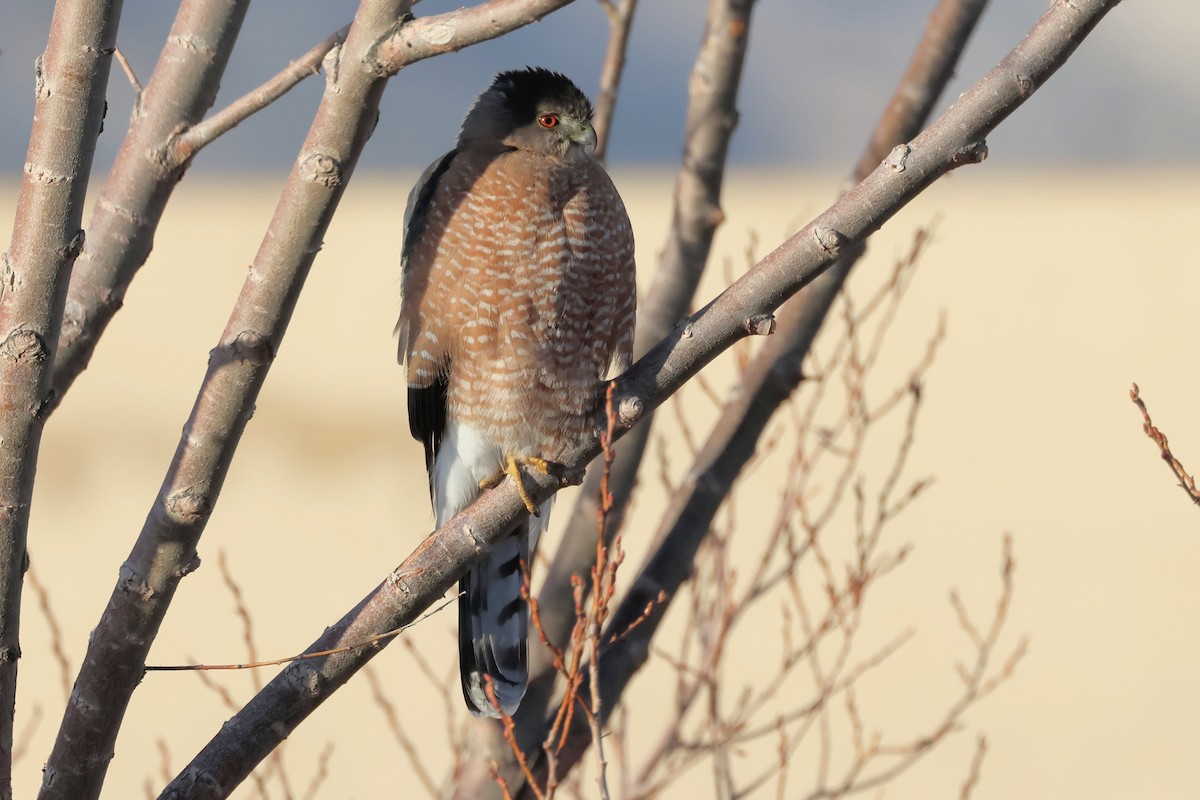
[165, 549]
[402, 738]
[34, 274]
[134, 83]
[426, 37]
[122, 226]
[776, 371]
[710, 122]
[1186, 481]
[56, 635]
[954, 140]
[185, 144]
[620, 20]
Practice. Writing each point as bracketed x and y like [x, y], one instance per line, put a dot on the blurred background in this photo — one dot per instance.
[1063, 265]
[817, 77]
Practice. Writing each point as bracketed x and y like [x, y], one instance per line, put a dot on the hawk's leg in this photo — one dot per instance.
[512, 469]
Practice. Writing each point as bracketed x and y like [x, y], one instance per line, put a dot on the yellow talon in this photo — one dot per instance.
[513, 470]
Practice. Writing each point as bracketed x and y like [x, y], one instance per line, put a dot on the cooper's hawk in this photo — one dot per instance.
[518, 300]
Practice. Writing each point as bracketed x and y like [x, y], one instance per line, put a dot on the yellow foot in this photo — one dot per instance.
[513, 470]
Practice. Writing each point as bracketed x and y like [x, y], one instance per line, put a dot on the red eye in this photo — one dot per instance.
[548, 120]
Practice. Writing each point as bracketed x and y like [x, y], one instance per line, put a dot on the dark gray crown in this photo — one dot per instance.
[527, 91]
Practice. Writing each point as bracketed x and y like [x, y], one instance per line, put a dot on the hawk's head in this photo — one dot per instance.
[532, 109]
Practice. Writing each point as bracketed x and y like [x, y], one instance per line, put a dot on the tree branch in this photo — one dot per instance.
[776, 371]
[1186, 481]
[711, 117]
[71, 78]
[954, 140]
[165, 549]
[184, 146]
[426, 37]
[158, 149]
[620, 20]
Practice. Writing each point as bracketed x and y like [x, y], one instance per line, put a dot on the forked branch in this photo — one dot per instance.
[957, 138]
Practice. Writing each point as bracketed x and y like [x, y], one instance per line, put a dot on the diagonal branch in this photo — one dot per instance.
[620, 20]
[711, 118]
[164, 135]
[71, 78]
[775, 373]
[956, 139]
[772, 376]
[165, 550]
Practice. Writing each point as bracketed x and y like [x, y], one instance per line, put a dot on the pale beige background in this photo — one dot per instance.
[1060, 288]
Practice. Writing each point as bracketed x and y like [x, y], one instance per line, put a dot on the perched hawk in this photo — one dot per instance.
[518, 301]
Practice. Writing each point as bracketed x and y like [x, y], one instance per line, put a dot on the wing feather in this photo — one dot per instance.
[426, 395]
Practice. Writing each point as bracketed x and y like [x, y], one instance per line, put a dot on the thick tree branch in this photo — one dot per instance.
[426, 37]
[957, 138]
[776, 372]
[157, 150]
[711, 118]
[166, 548]
[71, 78]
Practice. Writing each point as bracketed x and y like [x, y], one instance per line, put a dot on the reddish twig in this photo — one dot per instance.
[954, 140]
[1186, 481]
[711, 118]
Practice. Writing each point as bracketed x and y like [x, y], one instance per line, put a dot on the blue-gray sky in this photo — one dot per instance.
[818, 75]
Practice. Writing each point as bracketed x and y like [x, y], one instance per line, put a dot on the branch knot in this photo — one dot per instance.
[828, 239]
[321, 168]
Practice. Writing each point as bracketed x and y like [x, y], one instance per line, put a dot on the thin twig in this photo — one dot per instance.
[956, 139]
[371, 641]
[406, 744]
[185, 144]
[1186, 481]
[711, 119]
[972, 779]
[322, 773]
[56, 635]
[133, 81]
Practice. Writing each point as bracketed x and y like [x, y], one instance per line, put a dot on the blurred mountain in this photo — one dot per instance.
[818, 75]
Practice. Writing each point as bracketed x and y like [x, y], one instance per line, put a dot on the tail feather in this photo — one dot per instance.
[493, 627]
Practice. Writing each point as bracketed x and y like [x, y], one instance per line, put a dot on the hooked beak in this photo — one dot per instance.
[583, 135]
